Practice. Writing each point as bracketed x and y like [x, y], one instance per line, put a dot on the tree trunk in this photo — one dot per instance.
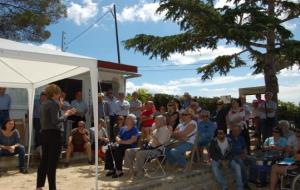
[271, 81]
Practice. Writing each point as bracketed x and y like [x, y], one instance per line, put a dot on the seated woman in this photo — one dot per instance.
[10, 143]
[103, 138]
[172, 115]
[117, 126]
[275, 144]
[127, 138]
[185, 133]
[293, 150]
[79, 141]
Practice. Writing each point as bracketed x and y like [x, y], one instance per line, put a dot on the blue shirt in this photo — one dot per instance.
[5, 102]
[125, 134]
[79, 105]
[238, 145]
[281, 142]
[206, 130]
[11, 140]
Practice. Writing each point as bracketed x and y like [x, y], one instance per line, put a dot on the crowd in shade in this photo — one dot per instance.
[131, 131]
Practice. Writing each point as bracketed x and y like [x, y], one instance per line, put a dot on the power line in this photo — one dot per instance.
[88, 28]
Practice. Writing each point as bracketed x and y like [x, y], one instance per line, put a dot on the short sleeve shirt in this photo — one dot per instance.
[268, 105]
[281, 142]
[126, 134]
[238, 145]
[136, 104]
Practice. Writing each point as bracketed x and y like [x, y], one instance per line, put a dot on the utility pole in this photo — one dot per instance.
[117, 34]
[63, 38]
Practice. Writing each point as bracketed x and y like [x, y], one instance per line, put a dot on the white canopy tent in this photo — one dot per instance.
[29, 67]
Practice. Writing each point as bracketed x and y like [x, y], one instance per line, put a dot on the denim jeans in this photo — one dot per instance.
[20, 150]
[176, 155]
[220, 177]
[243, 167]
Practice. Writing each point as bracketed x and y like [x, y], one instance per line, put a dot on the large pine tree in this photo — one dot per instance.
[28, 19]
[255, 26]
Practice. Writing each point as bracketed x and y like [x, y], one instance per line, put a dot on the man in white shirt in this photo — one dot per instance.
[267, 115]
[135, 108]
[112, 107]
[122, 105]
[160, 136]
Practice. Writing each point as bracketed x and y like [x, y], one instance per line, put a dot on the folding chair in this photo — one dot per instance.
[157, 161]
[195, 156]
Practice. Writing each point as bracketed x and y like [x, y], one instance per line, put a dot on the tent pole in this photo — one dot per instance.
[94, 88]
[31, 94]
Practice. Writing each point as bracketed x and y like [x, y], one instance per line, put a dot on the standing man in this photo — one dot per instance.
[103, 110]
[50, 137]
[123, 105]
[36, 118]
[267, 111]
[81, 108]
[5, 103]
[220, 117]
[135, 108]
[112, 107]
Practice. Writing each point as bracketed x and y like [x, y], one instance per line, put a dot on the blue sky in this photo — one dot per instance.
[175, 76]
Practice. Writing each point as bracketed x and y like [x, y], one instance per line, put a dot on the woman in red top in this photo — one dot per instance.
[147, 118]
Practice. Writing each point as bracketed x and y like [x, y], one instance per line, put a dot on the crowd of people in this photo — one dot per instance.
[131, 131]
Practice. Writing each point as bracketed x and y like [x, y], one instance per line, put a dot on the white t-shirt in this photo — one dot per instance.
[269, 105]
[223, 145]
[122, 107]
[192, 135]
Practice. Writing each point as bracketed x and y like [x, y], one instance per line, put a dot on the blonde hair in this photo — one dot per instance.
[51, 90]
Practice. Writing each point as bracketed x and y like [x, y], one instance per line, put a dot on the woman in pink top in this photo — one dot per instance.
[236, 114]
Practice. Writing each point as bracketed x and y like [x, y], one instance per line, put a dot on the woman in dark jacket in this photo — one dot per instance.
[50, 136]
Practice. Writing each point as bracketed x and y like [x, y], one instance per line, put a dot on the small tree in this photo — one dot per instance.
[28, 19]
[255, 26]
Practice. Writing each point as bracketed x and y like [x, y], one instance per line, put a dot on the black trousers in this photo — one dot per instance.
[112, 121]
[37, 131]
[115, 154]
[51, 148]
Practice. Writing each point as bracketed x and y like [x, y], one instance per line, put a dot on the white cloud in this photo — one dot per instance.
[46, 46]
[142, 12]
[191, 57]
[82, 13]
[223, 85]
[50, 46]
[290, 26]
[222, 3]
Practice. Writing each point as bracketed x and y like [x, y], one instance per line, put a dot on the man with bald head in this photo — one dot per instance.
[160, 136]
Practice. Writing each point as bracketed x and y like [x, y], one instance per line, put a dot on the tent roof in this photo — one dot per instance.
[28, 66]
